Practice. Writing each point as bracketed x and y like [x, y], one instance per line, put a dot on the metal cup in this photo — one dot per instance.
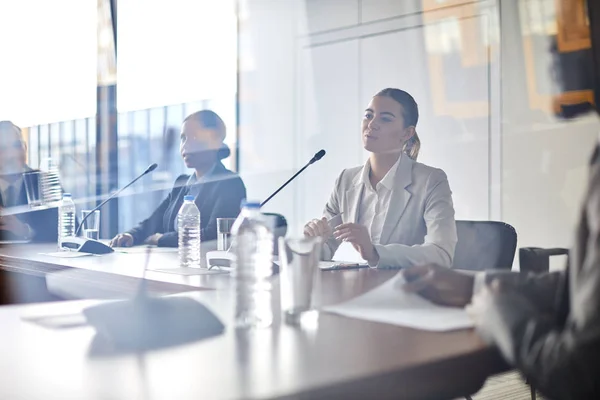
[299, 264]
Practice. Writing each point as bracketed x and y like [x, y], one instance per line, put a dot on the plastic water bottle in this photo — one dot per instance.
[253, 245]
[188, 227]
[66, 218]
[50, 182]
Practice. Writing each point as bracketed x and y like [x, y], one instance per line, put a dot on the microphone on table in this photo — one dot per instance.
[147, 322]
[92, 246]
[225, 259]
[316, 158]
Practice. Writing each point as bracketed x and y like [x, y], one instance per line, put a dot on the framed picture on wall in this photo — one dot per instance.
[461, 41]
[556, 36]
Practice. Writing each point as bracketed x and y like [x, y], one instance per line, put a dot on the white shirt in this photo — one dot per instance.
[375, 202]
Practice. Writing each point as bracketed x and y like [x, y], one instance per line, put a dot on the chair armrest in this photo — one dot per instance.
[537, 260]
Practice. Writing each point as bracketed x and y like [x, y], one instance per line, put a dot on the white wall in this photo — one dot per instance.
[315, 64]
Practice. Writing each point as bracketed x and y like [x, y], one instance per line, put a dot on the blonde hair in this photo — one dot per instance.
[412, 146]
[410, 111]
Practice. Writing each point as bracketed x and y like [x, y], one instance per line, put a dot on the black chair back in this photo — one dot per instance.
[484, 245]
[279, 231]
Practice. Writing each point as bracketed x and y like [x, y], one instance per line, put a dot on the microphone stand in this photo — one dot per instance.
[84, 245]
[316, 158]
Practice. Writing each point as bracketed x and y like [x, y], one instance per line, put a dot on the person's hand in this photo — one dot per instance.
[12, 224]
[482, 301]
[122, 240]
[359, 237]
[440, 285]
[317, 227]
[153, 240]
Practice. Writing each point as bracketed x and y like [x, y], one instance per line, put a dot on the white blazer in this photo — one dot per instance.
[419, 226]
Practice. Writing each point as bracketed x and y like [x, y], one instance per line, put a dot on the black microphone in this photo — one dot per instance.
[84, 245]
[316, 158]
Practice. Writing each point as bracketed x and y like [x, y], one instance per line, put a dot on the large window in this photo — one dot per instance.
[48, 68]
[174, 58]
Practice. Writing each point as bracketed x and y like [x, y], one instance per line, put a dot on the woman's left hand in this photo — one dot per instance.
[359, 236]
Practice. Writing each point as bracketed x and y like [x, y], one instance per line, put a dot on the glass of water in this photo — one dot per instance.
[224, 226]
[32, 188]
[298, 266]
[91, 226]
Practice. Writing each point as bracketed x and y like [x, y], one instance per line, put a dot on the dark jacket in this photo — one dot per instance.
[220, 197]
[548, 325]
[43, 222]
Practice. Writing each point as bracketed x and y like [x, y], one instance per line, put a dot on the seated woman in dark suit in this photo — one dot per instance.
[217, 190]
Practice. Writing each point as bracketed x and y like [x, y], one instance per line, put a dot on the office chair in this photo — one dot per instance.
[484, 245]
[279, 230]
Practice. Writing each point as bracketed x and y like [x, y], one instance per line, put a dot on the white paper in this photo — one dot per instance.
[144, 249]
[192, 271]
[348, 254]
[389, 304]
[67, 254]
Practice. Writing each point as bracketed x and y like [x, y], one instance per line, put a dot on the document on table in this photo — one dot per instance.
[389, 304]
[14, 242]
[188, 271]
[144, 249]
[67, 254]
[347, 253]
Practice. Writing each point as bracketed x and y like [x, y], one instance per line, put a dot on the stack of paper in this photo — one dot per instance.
[390, 304]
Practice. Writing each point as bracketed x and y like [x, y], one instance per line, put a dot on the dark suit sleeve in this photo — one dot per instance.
[226, 205]
[562, 362]
[150, 225]
[154, 223]
[541, 290]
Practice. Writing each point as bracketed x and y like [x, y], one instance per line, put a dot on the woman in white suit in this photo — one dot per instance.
[396, 212]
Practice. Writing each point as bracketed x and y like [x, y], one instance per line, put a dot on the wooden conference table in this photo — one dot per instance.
[328, 357]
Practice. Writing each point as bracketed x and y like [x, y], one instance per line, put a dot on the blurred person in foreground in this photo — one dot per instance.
[546, 325]
[18, 222]
[218, 192]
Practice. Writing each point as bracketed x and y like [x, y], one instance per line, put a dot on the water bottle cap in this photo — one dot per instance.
[188, 197]
[250, 204]
[66, 195]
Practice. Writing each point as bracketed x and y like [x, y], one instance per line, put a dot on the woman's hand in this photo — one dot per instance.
[317, 227]
[122, 240]
[359, 236]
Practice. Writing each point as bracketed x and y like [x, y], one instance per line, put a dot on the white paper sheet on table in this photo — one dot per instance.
[144, 249]
[347, 253]
[389, 304]
[191, 271]
[67, 254]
